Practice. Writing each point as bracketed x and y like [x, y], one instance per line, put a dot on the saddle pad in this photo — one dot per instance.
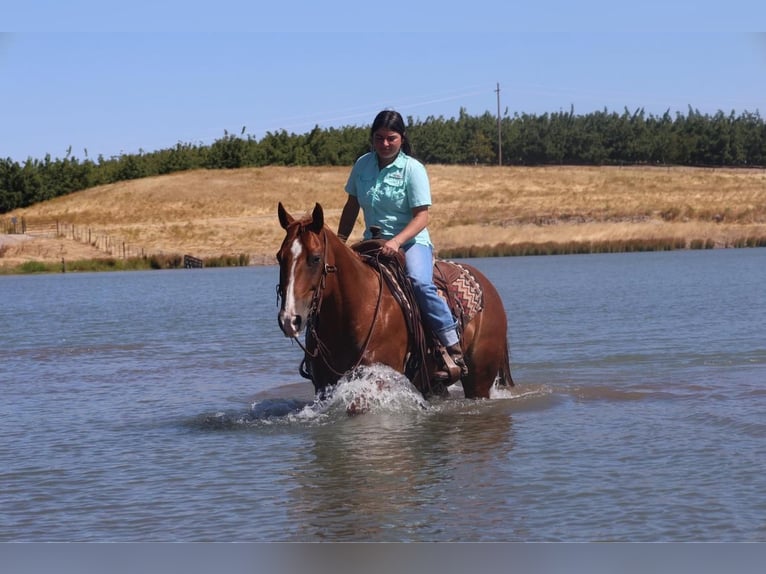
[454, 282]
[462, 291]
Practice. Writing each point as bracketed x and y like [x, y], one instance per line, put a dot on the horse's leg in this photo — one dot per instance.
[475, 359]
[487, 344]
[487, 364]
[481, 366]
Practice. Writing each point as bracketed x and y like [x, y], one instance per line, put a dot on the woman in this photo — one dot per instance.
[394, 193]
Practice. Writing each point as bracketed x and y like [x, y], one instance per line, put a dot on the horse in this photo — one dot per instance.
[353, 317]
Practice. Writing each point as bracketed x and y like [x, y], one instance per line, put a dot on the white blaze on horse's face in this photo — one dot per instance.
[292, 316]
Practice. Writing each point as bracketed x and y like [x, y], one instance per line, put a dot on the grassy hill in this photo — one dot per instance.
[213, 213]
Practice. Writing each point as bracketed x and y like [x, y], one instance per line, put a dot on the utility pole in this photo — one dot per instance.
[499, 131]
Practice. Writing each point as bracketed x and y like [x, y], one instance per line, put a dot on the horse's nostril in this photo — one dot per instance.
[297, 322]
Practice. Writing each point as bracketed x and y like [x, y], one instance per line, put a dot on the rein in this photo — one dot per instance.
[321, 351]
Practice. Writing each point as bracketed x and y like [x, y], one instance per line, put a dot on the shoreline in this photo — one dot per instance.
[527, 249]
[485, 210]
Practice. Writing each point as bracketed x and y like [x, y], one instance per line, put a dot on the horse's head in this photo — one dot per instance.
[301, 268]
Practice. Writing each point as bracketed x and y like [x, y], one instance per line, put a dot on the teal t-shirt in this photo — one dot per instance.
[387, 196]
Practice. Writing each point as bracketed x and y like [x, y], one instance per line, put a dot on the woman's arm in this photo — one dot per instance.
[348, 218]
[417, 224]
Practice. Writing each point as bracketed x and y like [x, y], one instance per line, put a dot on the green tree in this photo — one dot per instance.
[228, 152]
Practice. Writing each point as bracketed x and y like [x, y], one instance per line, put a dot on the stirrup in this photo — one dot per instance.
[454, 365]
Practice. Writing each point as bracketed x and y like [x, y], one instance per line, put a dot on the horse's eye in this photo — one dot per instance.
[314, 260]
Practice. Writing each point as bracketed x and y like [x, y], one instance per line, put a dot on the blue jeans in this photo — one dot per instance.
[436, 313]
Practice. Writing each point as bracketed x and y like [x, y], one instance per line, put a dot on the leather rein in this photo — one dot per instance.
[321, 350]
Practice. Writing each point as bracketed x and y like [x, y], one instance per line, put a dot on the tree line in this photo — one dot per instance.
[558, 138]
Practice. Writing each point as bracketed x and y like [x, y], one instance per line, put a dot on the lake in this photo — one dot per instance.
[167, 406]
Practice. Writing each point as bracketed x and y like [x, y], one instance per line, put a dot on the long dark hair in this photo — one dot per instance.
[391, 120]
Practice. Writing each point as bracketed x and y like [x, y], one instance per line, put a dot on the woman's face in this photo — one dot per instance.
[387, 144]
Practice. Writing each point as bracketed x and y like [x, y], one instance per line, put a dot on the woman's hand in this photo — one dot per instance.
[391, 246]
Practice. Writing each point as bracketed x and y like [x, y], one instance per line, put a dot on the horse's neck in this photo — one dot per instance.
[354, 276]
[349, 287]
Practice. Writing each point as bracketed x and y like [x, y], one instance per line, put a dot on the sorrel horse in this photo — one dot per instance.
[352, 317]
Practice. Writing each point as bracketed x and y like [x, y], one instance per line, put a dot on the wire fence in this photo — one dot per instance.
[109, 244]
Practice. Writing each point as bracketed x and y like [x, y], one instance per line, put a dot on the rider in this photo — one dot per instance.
[393, 190]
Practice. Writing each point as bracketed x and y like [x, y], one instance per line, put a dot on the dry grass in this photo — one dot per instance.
[209, 213]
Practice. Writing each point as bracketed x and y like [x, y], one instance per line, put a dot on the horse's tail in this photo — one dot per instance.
[505, 371]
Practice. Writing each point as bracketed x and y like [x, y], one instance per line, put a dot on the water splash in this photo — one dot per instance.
[370, 389]
[374, 389]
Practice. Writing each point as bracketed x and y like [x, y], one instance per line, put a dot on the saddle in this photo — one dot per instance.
[455, 284]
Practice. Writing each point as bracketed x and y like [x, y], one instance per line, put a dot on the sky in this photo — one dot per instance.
[94, 78]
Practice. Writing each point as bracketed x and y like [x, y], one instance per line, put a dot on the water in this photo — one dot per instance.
[166, 406]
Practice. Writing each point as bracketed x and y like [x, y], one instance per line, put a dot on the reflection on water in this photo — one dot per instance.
[387, 472]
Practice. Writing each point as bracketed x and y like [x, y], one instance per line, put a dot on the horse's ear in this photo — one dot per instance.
[317, 219]
[285, 218]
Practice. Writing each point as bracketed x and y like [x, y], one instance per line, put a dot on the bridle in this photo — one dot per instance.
[320, 348]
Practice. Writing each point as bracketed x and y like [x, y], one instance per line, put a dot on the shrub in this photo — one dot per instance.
[34, 267]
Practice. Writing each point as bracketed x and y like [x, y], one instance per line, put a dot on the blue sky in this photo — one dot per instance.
[145, 77]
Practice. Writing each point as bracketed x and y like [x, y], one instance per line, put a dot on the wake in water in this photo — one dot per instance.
[375, 389]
